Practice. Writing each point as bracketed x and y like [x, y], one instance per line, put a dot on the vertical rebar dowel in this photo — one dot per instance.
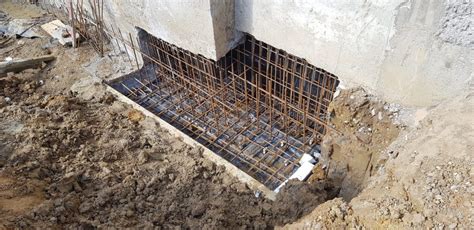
[71, 18]
[134, 51]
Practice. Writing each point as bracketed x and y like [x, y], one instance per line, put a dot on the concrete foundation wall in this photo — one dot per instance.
[187, 24]
[225, 35]
[415, 53]
[405, 51]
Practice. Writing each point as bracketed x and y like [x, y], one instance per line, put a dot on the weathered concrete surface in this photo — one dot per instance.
[187, 24]
[206, 27]
[415, 53]
[223, 18]
[401, 50]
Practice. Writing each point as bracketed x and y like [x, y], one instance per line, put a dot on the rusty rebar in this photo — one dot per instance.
[259, 107]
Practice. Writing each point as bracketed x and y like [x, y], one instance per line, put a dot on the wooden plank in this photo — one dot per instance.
[56, 29]
[19, 65]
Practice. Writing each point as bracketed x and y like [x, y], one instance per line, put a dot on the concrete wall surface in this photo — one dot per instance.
[206, 27]
[415, 53]
[412, 52]
[188, 24]
[225, 35]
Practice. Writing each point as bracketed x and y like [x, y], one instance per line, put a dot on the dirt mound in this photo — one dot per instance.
[101, 169]
[18, 89]
[101, 164]
[365, 128]
[427, 182]
[299, 198]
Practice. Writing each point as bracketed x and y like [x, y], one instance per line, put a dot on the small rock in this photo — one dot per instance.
[198, 210]
[418, 218]
[257, 194]
[209, 165]
[454, 188]
[429, 213]
[395, 215]
[458, 178]
[318, 174]
[135, 116]
[143, 157]
[363, 137]
[239, 187]
[380, 116]
[3, 102]
[336, 211]
[393, 154]
[58, 202]
[197, 151]
[129, 213]
[84, 207]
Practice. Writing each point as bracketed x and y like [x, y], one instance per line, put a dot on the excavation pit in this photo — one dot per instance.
[258, 107]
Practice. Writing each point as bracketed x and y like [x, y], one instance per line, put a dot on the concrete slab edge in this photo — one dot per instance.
[207, 153]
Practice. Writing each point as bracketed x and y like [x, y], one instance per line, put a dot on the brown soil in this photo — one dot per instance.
[72, 156]
[103, 164]
[365, 127]
[21, 11]
[425, 183]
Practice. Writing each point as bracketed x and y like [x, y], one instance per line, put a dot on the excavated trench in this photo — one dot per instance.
[258, 107]
[97, 168]
[265, 111]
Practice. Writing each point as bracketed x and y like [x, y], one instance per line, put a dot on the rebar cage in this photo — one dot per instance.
[258, 107]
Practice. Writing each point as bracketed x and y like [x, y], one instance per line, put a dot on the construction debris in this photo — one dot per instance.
[60, 31]
[307, 158]
[19, 27]
[22, 64]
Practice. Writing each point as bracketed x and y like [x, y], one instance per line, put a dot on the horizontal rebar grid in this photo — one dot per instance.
[259, 107]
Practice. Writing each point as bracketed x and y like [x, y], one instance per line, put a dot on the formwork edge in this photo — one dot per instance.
[207, 153]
